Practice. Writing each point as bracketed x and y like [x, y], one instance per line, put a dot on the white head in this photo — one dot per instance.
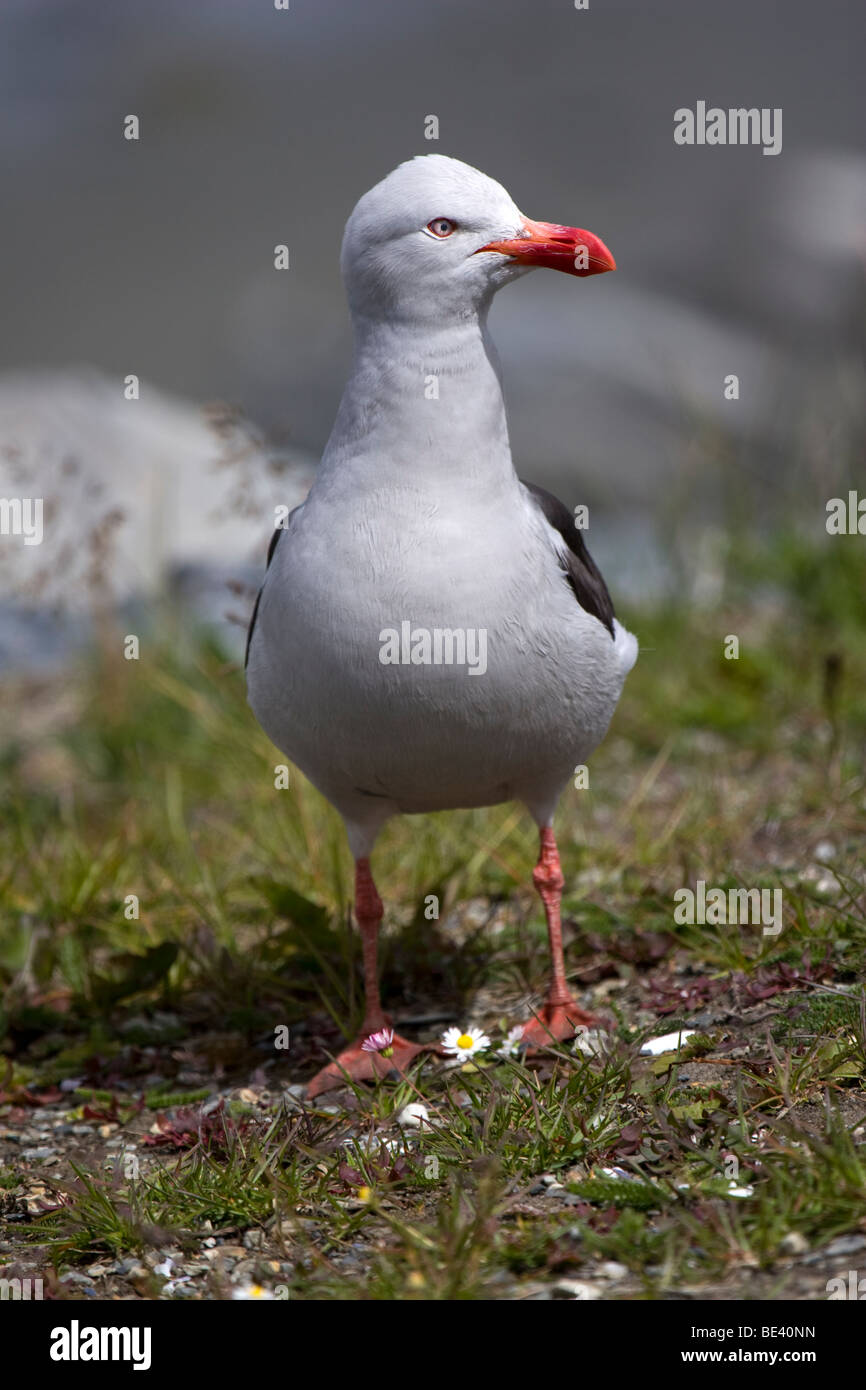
[437, 238]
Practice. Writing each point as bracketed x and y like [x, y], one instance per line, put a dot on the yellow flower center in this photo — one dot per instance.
[388, 1051]
[364, 1194]
[465, 1041]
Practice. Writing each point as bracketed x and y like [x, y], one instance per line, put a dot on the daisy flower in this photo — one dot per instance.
[461, 1046]
[248, 1292]
[510, 1046]
[380, 1042]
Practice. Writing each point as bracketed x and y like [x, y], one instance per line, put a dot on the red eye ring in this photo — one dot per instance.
[441, 227]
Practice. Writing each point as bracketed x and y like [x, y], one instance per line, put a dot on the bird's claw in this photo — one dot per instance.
[356, 1064]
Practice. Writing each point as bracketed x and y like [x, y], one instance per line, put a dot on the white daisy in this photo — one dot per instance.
[461, 1045]
[247, 1292]
[510, 1046]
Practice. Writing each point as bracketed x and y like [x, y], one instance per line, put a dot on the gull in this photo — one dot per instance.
[432, 633]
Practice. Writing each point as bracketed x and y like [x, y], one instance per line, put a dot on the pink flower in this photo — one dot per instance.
[379, 1042]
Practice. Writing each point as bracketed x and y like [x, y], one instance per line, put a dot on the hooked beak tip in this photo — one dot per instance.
[569, 249]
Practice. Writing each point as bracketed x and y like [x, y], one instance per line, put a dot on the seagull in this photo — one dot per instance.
[432, 633]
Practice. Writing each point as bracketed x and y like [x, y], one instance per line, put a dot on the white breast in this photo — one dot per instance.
[439, 735]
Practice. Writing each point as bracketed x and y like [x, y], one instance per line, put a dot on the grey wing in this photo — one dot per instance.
[579, 568]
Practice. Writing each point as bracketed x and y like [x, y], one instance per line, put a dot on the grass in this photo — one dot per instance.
[166, 911]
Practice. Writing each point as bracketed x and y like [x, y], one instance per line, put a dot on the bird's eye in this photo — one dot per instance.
[441, 227]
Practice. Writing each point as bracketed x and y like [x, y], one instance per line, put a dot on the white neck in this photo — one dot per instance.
[391, 423]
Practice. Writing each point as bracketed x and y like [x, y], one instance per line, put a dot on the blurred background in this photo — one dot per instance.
[259, 127]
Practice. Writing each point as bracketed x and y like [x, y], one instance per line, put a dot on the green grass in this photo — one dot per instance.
[151, 779]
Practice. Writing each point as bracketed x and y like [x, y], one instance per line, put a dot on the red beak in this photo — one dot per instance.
[560, 248]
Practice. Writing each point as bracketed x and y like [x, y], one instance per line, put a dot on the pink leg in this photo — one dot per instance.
[354, 1063]
[368, 914]
[561, 1016]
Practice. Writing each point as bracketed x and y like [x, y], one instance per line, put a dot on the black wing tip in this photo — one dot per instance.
[272, 545]
[581, 571]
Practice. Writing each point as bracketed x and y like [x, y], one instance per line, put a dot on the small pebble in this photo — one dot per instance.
[793, 1244]
[413, 1116]
[846, 1245]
